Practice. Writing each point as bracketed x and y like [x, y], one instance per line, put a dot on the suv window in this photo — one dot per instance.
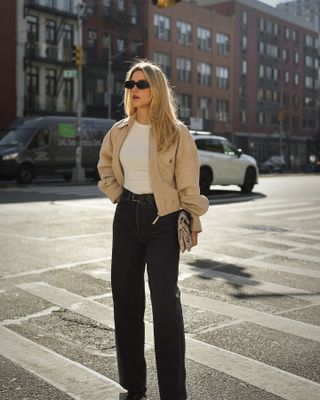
[212, 145]
[229, 149]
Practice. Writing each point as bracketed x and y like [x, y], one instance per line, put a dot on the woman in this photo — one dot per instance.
[149, 166]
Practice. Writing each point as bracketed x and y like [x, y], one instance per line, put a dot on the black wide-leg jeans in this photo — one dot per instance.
[138, 242]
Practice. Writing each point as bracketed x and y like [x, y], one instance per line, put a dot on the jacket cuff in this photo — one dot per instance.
[196, 224]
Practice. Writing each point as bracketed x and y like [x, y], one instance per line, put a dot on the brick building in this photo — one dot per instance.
[275, 83]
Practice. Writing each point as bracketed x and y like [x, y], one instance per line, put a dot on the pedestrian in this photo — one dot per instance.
[149, 166]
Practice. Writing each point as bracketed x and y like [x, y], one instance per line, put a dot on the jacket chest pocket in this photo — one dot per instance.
[167, 165]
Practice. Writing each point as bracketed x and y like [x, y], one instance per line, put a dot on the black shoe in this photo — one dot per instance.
[136, 396]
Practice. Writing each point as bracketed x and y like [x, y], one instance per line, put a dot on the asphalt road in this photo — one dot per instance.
[250, 293]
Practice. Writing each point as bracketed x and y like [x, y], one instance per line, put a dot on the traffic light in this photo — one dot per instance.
[77, 55]
[165, 3]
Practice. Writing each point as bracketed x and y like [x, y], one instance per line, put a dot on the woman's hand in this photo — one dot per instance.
[194, 238]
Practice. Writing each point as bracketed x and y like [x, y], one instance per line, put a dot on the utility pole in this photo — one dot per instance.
[78, 173]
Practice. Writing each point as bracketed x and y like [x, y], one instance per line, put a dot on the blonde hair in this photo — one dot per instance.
[162, 111]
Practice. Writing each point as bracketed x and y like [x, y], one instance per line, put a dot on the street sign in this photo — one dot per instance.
[70, 73]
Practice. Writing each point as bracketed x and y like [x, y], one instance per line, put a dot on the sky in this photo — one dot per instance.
[270, 2]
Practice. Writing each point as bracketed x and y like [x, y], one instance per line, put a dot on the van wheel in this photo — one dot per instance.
[249, 181]
[25, 174]
[205, 181]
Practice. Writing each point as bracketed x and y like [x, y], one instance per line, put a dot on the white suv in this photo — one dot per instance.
[222, 164]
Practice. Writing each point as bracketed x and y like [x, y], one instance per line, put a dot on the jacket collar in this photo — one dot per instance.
[127, 121]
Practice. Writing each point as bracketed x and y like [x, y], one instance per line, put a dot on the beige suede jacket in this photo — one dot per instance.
[174, 174]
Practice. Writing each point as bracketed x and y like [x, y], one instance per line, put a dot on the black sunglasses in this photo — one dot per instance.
[140, 84]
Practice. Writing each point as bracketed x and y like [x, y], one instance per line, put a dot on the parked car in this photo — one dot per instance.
[47, 146]
[221, 163]
[273, 164]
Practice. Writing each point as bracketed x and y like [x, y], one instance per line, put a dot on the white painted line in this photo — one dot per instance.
[256, 373]
[286, 242]
[290, 211]
[260, 318]
[282, 324]
[48, 239]
[272, 206]
[305, 218]
[271, 379]
[303, 235]
[19, 321]
[255, 263]
[72, 378]
[273, 252]
[258, 284]
[57, 267]
[71, 301]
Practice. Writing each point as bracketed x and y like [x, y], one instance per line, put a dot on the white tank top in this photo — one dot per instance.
[134, 157]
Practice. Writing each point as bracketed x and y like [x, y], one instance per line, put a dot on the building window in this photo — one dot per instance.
[244, 18]
[309, 61]
[106, 40]
[308, 102]
[309, 41]
[244, 67]
[204, 39]
[92, 39]
[204, 106]
[106, 7]
[134, 13]
[50, 31]
[121, 45]
[244, 41]
[223, 43]
[296, 57]
[222, 110]
[90, 7]
[287, 33]
[164, 60]
[261, 24]
[286, 77]
[285, 54]
[276, 29]
[51, 77]
[120, 5]
[32, 100]
[204, 74]
[222, 75]
[243, 117]
[184, 105]
[67, 37]
[184, 33]
[32, 29]
[183, 69]
[271, 50]
[296, 79]
[161, 27]
[309, 82]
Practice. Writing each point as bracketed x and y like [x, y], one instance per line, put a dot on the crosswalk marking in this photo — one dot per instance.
[281, 383]
[288, 211]
[305, 217]
[268, 206]
[304, 235]
[260, 285]
[270, 321]
[253, 262]
[73, 378]
[284, 253]
[54, 268]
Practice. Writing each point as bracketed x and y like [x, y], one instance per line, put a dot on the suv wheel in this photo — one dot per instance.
[25, 174]
[249, 181]
[205, 181]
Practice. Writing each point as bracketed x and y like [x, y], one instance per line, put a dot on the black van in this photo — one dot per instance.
[47, 146]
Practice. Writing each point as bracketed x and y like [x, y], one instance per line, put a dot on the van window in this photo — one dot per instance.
[16, 137]
[41, 139]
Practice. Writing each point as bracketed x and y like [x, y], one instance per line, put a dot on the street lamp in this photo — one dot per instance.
[109, 75]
